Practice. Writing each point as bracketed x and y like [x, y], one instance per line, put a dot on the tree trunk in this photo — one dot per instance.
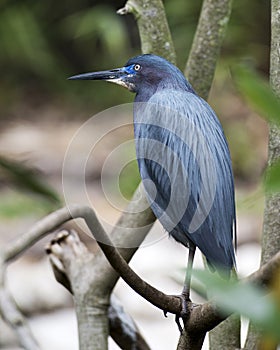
[271, 225]
[153, 27]
[226, 335]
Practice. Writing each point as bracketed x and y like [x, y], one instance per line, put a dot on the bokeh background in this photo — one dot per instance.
[43, 43]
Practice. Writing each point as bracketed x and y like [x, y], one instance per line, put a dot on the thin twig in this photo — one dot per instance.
[37, 231]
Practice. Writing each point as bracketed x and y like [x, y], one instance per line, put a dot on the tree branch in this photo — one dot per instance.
[271, 228]
[266, 273]
[153, 27]
[203, 317]
[271, 225]
[65, 247]
[130, 230]
[37, 231]
[123, 329]
[205, 50]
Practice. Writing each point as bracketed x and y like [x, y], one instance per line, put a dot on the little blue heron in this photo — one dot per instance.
[183, 159]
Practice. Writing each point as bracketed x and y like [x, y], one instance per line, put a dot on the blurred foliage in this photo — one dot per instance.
[246, 132]
[25, 178]
[246, 299]
[257, 93]
[248, 34]
[15, 204]
[260, 97]
[44, 42]
[244, 156]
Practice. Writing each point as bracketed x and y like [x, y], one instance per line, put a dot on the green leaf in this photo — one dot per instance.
[242, 298]
[258, 93]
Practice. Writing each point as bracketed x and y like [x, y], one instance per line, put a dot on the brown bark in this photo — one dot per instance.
[153, 27]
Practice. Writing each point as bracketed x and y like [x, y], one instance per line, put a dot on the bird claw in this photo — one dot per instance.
[177, 320]
[185, 311]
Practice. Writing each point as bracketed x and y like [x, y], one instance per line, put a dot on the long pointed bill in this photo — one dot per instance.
[118, 76]
[104, 75]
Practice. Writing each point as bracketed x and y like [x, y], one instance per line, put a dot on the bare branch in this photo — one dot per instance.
[208, 312]
[190, 340]
[123, 329]
[153, 27]
[202, 317]
[64, 251]
[266, 273]
[230, 340]
[130, 230]
[38, 231]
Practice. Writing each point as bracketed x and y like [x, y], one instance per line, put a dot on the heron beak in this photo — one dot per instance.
[118, 76]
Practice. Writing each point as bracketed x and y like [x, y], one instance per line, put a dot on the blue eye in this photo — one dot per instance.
[137, 67]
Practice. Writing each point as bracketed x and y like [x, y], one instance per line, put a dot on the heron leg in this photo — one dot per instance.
[185, 296]
[187, 282]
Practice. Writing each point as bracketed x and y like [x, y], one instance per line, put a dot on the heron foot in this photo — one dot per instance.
[185, 311]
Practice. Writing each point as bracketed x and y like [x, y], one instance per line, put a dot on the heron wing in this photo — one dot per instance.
[185, 166]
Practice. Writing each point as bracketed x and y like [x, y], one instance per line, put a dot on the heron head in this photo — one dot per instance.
[144, 71]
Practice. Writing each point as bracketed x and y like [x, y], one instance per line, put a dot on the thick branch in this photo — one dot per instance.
[271, 229]
[190, 340]
[71, 261]
[57, 218]
[266, 273]
[123, 329]
[207, 44]
[130, 230]
[230, 340]
[271, 226]
[154, 296]
[153, 27]
[202, 317]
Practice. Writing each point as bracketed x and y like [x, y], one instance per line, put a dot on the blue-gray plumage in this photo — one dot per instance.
[183, 158]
